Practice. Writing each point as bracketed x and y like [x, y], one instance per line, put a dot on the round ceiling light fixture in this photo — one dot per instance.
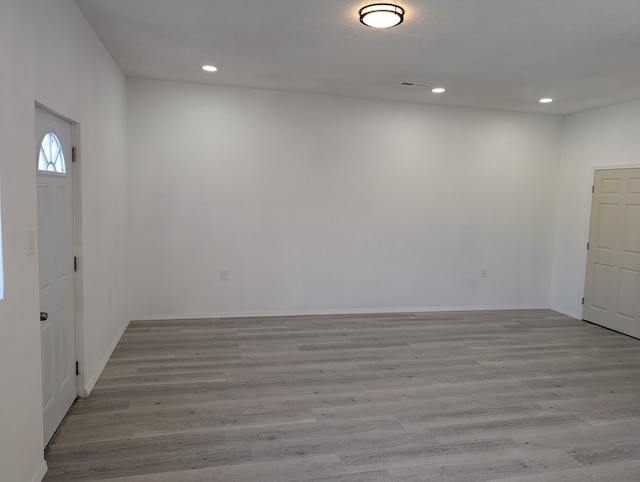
[209, 68]
[546, 100]
[438, 90]
[381, 15]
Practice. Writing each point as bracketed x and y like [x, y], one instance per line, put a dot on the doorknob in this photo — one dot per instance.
[44, 316]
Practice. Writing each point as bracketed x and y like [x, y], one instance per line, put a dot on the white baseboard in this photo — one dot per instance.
[355, 311]
[41, 472]
[572, 314]
[86, 391]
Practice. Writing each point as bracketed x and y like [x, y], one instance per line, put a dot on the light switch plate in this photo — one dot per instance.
[31, 242]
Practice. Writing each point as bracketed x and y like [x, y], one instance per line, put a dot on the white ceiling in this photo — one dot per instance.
[501, 54]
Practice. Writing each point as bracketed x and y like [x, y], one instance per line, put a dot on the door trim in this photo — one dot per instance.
[78, 252]
[76, 166]
[585, 233]
[594, 168]
[611, 167]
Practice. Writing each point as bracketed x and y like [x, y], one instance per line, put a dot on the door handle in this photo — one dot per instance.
[44, 316]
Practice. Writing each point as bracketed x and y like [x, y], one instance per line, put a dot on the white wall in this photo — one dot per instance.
[49, 54]
[21, 457]
[86, 86]
[606, 137]
[334, 204]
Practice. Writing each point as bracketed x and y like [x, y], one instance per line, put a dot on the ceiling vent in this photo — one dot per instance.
[416, 84]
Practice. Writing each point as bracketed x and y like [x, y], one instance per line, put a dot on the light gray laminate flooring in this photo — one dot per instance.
[499, 395]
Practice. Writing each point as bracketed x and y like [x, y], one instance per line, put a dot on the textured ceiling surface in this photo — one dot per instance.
[501, 54]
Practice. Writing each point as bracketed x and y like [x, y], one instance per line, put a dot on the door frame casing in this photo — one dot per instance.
[77, 240]
[594, 169]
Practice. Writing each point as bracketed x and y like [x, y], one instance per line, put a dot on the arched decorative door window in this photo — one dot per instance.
[51, 157]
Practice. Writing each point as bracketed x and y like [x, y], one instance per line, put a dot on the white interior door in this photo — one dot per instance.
[55, 252]
[612, 291]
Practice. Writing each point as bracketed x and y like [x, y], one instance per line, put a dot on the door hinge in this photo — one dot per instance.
[77, 368]
[75, 263]
[583, 301]
[73, 154]
[588, 244]
[593, 189]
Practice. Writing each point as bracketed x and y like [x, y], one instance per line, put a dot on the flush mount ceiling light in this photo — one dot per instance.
[438, 90]
[382, 15]
[209, 68]
[546, 100]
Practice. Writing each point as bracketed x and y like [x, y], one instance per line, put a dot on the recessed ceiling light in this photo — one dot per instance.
[209, 68]
[438, 90]
[382, 15]
[546, 100]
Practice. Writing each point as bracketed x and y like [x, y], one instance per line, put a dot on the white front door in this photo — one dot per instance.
[56, 262]
[612, 291]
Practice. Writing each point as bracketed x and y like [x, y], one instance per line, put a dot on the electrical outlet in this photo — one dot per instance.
[224, 274]
[484, 273]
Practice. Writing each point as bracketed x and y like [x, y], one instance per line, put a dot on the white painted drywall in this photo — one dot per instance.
[21, 451]
[86, 86]
[334, 204]
[49, 54]
[602, 138]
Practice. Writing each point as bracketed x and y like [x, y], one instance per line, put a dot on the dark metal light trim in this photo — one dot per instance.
[382, 7]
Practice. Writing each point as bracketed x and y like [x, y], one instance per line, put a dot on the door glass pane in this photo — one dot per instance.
[51, 157]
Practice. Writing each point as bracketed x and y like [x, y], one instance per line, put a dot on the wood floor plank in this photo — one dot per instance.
[516, 395]
[276, 471]
[483, 468]
[618, 472]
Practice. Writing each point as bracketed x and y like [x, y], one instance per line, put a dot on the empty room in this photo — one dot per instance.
[289, 240]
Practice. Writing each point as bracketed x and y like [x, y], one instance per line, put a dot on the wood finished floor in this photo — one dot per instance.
[510, 395]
